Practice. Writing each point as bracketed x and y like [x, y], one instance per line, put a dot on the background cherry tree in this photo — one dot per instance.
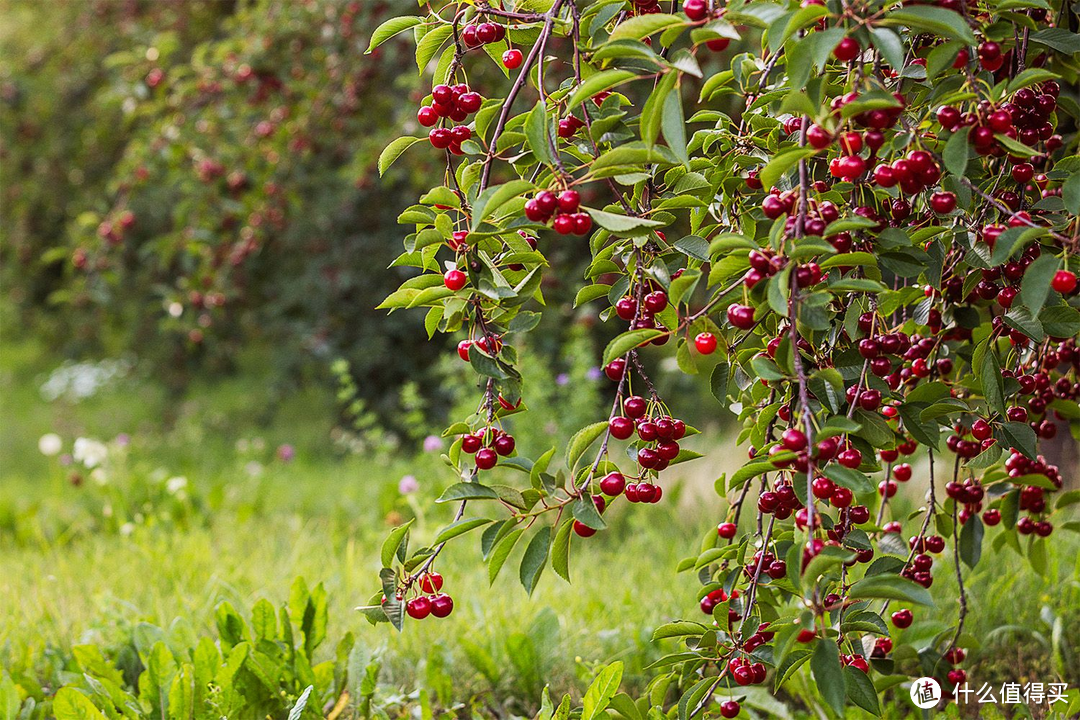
[856, 221]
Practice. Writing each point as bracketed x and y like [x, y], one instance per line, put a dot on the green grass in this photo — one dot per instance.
[87, 564]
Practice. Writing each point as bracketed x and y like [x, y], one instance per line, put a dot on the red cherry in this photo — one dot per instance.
[705, 343]
[431, 582]
[943, 203]
[512, 58]
[418, 608]
[442, 605]
[729, 708]
[613, 484]
[847, 49]
[695, 9]
[741, 316]
[902, 618]
[455, 280]
[727, 530]
[486, 458]
[1064, 282]
[427, 116]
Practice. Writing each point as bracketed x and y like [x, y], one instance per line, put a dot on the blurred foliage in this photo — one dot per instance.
[188, 177]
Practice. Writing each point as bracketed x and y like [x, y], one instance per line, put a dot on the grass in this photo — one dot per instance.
[87, 564]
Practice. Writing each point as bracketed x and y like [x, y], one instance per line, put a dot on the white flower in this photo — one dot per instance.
[90, 453]
[99, 477]
[253, 468]
[50, 444]
[175, 484]
[127, 528]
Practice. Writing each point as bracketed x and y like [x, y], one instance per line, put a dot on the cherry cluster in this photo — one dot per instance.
[563, 207]
[643, 317]
[488, 445]
[434, 602]
[455, 102]
[474, 35]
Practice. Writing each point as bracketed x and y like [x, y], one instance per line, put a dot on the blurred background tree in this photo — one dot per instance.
[188, 180]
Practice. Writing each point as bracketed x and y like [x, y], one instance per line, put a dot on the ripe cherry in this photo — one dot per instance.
[583, 530]
[634, 406]
[695, 9]
[847, 49]
[741, 316]
[705, 343]
[442, 605]
[794, 439]
[1064, 281]
[621, 427]
[455, 279]
[943, 203]
[902, 618]
[504, 445]
[850, 458]
[727, 530]
[613, 484]
[431, 582]
[656, 301]
[486, 458]
[512, 58]
[730, 708]
[418, 608]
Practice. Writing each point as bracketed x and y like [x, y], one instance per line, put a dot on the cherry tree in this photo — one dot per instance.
[858, 218]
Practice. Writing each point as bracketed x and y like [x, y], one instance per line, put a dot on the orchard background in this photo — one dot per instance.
[756, 320]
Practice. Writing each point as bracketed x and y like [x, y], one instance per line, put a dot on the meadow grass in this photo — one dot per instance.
[73, 573]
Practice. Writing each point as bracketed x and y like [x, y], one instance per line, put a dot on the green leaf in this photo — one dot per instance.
[891, 587]
[501, 551]
[390, 28]
[1035, 287]
[535, 558]
[601, 81]
[430, 43]
[938, 21]
[1060, 321]
[627, 341]
[537, 134]
[955, 155]
[459, 528]
[581, 441]
[993, 385]
[678, 629]
[1015, 147]
[718, 381]
[1070, 193]
[301, 703]
[673, 125]
[393, 542]
[585, 512]
[889, 45]
[560, 550]
[602, 689]
[1020, 436]
[860, 690]
[1059, 39]
[392, 151]
[642, 26]
[971, 537]
[828, 674]
[853, 480]
[70, 704]
[781, 163]
[619, 224]
[495, 197]
[467, 491]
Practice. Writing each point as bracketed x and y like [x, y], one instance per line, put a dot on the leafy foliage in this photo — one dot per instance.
[835, 213]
